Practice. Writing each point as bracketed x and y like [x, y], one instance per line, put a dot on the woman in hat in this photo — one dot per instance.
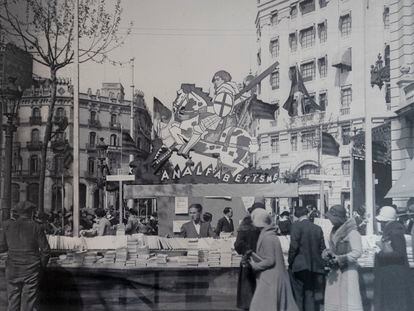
[273, 290]
[246, 242]
[345, 247]
[391, 285]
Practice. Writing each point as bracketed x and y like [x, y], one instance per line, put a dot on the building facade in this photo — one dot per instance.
[402, 97]
[103, 115]
[333, 44]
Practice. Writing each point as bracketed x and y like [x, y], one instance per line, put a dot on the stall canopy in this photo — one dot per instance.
[217, 190]
[404, 186]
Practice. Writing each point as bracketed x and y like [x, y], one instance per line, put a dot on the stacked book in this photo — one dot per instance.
[192, 257]
[161, 259]
[142, 260]
[213, 258]
[192, 244]
[109, 257]
[90, 258]
[132, 247]
[203, 256]
[235, 259]
[121, 256]
[225, 258]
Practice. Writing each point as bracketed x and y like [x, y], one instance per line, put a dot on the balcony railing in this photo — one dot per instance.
[114, 125]
[34, 145]
[345, 111]
[25, 173]
[94, 123]
[91, 147]
[35, 120]
[59, 145]
[310, 119]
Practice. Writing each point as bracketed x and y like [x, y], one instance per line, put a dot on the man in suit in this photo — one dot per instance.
[195, 228]
[225, 224]
[305, 259]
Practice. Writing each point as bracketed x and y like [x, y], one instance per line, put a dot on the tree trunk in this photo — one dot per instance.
[46, 139]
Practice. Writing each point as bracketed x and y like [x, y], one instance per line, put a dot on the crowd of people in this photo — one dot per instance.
[266, 284]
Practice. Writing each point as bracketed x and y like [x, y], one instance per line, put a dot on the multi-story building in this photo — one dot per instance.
[103, 115]
[333, 44]
[402, 101]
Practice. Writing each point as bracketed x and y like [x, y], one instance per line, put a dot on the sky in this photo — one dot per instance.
[178, 41]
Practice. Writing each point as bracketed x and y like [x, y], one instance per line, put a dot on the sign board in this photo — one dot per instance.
[181, 205]
[120, 177]
[323, 177]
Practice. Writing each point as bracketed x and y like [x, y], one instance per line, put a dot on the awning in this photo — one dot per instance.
[216, 190]
[343, 60]
[404, 186]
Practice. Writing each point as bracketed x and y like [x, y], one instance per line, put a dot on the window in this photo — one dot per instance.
[34, 164]
[33, 193]
[346, 99]
[386, 17]
[388, 95]
[308, 140]
[36, 112]
[274, 80]
[91, 166]
[308, 103]
[60, 112]
[322, 3]
[59, 164]
[92, 139]
[308, 71]
[15, 193]
[259, 58]
[307, 6]
[93, 115]
[274, 48]
[307, 37]
[323, 101]
[306, 170]
[274, 18]
[35, 136]
[293, 42]
[113, 140]
[293, 11]
[113, 119]
[346, 134]
[387, 58]
[274, 143]
[346, 167]
[345, 25]
[323, 68]
[323, 33]
[294, 141]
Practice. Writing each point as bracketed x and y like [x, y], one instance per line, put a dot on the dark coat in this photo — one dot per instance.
[189, 231]
[246, 240]
[392, 283]
[223, 225]
[306, 246]
[26, 245]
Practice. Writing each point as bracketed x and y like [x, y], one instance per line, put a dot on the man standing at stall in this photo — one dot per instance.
[196, 228]
[27, 254]
[305, 259]
[225, 224]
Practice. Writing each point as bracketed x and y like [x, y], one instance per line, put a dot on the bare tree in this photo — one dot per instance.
[45, 28]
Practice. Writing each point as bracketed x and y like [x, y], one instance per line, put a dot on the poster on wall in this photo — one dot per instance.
[247, 201]
[181, 205]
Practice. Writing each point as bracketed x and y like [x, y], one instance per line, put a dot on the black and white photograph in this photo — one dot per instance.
[206, 155]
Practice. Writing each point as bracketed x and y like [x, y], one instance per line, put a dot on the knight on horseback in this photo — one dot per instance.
[217, 111]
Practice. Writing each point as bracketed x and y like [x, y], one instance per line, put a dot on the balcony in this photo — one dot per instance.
[345, 111]
[93, 123]
[35, 120]
[91, 147]
[34, 145]
[310, 119]
[59, 145]
[24, 174]
[60, 121]
[116, 126]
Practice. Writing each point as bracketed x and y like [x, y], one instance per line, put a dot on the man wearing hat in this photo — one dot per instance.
[28, 252]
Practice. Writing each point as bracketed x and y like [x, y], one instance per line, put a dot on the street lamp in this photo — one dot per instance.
[102, 148]
[10, 100]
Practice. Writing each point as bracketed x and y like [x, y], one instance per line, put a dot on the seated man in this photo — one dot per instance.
[196, 228]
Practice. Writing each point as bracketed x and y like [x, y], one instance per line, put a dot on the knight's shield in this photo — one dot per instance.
[223, 104]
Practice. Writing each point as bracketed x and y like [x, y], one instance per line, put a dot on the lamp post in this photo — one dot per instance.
[10, 100]
[102, 148]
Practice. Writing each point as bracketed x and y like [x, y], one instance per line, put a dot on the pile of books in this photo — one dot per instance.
[213, 258]
[109, 257]
[120, 256]
[90, 258]
[161, 259]
[192, 257]
[225, 257]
